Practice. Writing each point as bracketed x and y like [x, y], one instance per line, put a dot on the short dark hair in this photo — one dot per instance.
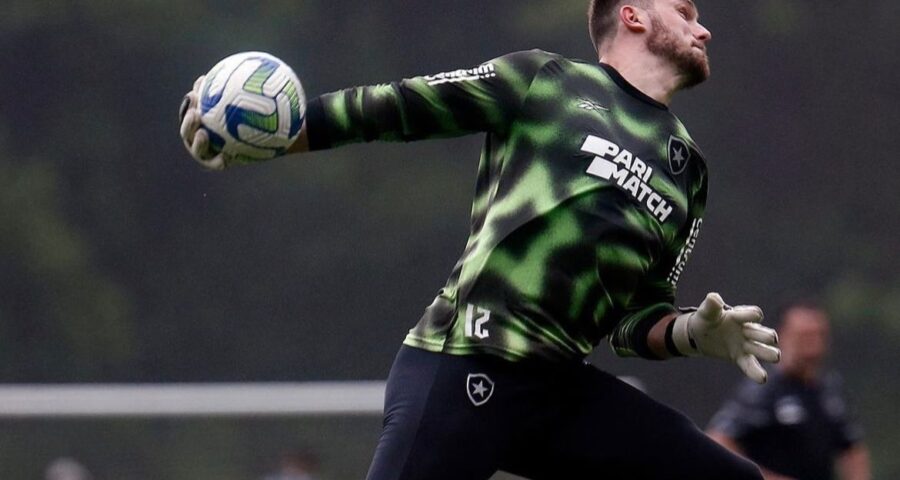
[602, 17]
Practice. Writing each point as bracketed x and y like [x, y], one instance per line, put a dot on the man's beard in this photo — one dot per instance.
[692, 65]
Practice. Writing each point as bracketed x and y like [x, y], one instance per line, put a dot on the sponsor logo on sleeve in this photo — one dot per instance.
[686, 251]
[463, 75]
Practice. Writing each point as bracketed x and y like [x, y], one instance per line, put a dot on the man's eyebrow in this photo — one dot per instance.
[691, 5]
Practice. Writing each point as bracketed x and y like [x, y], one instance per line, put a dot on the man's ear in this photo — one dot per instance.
[635, 19]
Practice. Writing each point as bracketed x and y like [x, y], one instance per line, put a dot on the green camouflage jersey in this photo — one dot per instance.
[588, 201]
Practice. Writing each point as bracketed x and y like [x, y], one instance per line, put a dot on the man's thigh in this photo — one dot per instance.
[609, 429]
[444, 418]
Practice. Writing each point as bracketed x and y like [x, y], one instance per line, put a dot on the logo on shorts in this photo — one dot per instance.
[679, 155]
[479, 388]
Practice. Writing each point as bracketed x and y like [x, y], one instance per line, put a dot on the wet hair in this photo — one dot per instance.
[602, 17]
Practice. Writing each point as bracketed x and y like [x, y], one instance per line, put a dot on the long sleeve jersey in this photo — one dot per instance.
[588, 200]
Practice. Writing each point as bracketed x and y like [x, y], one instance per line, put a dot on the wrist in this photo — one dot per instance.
[659, 340]
[314, 134]
[681, 339]
[671, 348]
[301, 144]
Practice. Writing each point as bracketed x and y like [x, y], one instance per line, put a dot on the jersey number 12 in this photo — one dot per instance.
[475, 325]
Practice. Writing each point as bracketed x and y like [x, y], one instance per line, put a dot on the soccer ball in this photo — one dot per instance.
[252, 106]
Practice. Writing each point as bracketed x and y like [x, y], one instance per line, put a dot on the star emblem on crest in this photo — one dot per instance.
[479, 388]
[679, 155]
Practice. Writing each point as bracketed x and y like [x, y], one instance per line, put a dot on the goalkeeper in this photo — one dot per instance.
[589, 199]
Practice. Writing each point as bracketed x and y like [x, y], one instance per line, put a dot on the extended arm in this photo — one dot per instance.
[486, 98]
[715, 330]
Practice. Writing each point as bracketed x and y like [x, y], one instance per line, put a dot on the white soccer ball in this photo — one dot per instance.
[252, 105]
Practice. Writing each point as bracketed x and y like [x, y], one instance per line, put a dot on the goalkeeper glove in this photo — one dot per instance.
[196, 139]
[734, 334]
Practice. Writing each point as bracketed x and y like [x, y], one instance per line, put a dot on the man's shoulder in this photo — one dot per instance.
[537, 56]
[534, 58]
[537, 53]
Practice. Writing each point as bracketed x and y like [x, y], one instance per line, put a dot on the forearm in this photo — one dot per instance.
[486, 98]
[365, 114]
[347, 116]
[352, 115]
[637, 335]
[407, 110]
[654, 343]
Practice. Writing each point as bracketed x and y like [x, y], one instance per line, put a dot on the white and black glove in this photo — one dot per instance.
[730, 333]
[196, 140]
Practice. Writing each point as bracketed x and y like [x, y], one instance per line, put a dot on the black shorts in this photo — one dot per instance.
[466, 417]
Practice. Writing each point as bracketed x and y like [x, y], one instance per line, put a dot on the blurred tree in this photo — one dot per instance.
[61, 319]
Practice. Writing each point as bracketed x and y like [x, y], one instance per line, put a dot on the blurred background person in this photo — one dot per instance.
[65, 468]
[798, 425]
[296, 466]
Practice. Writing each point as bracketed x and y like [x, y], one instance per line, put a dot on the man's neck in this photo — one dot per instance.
[647, 73]
[807, 376]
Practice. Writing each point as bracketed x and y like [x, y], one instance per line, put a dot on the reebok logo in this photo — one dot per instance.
[591, 106]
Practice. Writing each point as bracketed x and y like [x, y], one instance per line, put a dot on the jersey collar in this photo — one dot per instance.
[631, 89]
